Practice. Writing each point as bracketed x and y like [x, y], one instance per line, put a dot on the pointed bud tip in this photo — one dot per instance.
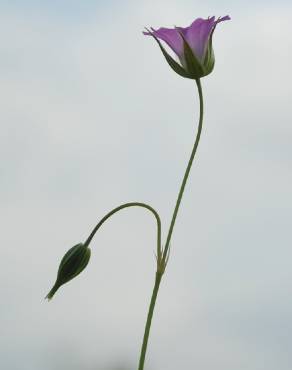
[72, 264]
[52, 292]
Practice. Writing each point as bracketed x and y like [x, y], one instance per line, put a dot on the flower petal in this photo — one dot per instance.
[226, 18]
[172, 63]
[171, 36]
[198, 33]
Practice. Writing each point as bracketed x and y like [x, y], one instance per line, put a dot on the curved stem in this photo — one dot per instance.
[187, 172]
[126, 205]
[162, 266]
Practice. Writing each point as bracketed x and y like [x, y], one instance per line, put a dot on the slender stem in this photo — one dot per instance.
[187, 172]
[159, 272]
[126, 205]
[149, 320]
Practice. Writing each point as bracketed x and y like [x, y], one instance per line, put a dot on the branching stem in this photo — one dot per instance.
[165, 254]
[127, 205]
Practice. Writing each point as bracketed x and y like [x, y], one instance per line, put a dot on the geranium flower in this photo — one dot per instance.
[192, 45]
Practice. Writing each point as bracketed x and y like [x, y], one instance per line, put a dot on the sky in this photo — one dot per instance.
[93, 117]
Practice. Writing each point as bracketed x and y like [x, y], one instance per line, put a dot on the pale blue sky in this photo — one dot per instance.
[91, 117]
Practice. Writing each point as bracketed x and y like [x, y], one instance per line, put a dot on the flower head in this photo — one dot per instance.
[192, 45]
[73, 262]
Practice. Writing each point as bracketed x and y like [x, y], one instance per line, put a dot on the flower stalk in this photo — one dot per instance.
[127, 205]
[77, 258]
[170, 231]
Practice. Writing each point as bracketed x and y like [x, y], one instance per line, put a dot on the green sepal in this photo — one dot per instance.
[72, 264]
[193, 65]
[172, 63]
[209, 60]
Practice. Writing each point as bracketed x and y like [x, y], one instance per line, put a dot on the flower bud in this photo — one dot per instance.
[73, 262]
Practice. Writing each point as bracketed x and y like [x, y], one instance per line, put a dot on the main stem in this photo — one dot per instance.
[159, 273]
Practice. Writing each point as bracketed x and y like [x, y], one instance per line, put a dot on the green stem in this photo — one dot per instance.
[161, 266]
[149, 320]
[187, 172]
[126, 205]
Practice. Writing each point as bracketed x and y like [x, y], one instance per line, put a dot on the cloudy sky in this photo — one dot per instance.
[92, 117]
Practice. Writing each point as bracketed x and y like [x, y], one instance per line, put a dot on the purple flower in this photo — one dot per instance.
[192, 45]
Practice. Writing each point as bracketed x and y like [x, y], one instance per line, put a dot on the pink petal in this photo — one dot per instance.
[172, 37]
